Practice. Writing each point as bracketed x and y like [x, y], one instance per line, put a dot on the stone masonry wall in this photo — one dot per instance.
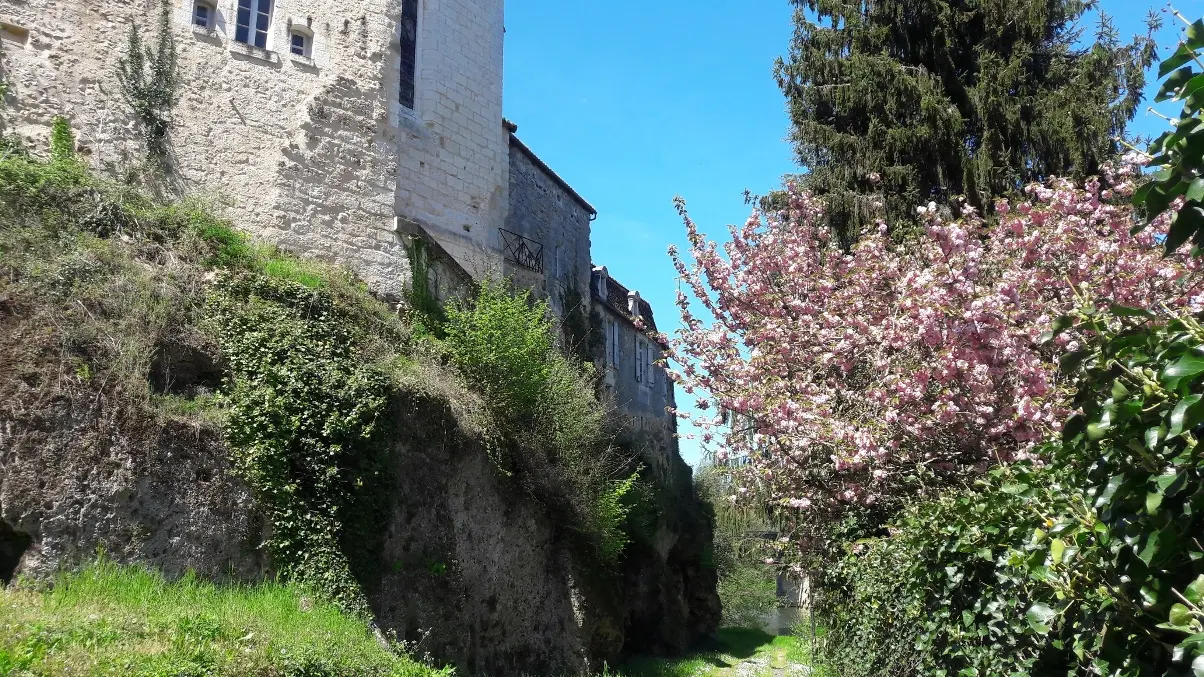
[453, 160]
[314, 154]
[544, 211]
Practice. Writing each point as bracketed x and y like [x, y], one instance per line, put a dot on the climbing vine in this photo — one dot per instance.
[150, 83]
[302, 413]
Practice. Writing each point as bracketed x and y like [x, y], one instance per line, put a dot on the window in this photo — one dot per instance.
[651, 368]
[254, 19]
[299, 44]
[613, 343]
[641, 351]
[202, 14]
[409, 52]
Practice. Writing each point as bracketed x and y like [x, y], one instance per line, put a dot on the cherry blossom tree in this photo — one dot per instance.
[869, 375]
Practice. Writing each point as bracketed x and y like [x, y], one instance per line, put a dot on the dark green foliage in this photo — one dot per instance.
[62, 140]
[552, 421]
[425, 308]
[1140, 385]
[302, 411]
[150, 82]
[581, 327]
[1091, 565]
[747, 586]
[1180, 152]
[898, 102]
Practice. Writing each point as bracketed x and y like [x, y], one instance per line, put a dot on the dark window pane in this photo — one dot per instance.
[409, 51]
[263, 20]
[298, 44]
[201, 17]
[242, 30]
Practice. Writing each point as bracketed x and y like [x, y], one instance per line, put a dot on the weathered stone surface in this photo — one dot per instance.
[84, 473]
[314, 154]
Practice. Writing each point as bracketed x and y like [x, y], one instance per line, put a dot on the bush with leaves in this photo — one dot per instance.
[747, 585]
[1090, 565]
[506, 344]
[302, 411]
[150, 82]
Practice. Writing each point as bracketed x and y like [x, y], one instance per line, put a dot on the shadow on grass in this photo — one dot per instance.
[727, 648]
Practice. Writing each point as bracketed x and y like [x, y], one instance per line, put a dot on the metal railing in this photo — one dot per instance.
[522, 250]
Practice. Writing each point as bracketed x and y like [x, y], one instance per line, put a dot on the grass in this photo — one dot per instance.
[735, 652]
[116, 620]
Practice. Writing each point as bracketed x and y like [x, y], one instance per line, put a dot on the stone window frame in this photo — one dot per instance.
[210, 8]
[299, 30]
[254, 7]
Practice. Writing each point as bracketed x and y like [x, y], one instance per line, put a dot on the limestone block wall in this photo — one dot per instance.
[452, 158]
[315, 154]
[545, 210]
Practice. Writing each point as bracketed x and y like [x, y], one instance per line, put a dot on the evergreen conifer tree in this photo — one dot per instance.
[898, 102]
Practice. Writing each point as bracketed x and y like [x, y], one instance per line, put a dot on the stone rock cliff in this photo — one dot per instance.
[471, 569]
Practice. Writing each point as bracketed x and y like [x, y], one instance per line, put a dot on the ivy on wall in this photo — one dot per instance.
[150, 83]
[302, 413]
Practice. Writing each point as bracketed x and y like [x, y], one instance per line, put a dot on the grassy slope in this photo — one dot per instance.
[111, 620]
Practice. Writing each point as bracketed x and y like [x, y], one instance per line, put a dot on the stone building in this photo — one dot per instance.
[634, 380]
[349, 131]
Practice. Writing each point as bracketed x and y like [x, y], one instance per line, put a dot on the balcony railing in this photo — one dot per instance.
[522, 250]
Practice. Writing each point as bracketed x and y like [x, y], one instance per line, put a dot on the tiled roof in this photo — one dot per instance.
[616, 298]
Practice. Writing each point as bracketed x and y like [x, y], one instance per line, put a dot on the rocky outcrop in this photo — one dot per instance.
[471, 571]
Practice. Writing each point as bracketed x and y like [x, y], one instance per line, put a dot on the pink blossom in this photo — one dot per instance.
[850, 368]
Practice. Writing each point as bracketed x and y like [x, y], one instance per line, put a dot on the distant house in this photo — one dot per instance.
[635, 380]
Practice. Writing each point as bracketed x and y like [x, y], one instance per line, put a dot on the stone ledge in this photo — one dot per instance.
[254, 52]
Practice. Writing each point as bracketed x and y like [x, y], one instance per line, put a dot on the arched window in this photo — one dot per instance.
[301, 43]
[254, 19]
[203, 14]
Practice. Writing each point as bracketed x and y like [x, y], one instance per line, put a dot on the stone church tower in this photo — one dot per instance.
[332, 127]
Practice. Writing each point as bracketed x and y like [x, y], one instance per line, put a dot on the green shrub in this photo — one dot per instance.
[505, 344]
[62, 140]
[1091, 565]
[748, 593]
[302, 410]
[747, 586]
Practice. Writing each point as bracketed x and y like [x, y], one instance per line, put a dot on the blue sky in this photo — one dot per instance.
[633, 103]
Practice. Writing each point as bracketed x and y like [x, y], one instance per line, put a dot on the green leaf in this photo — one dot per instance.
[1152, 501]
[1172, 85]
[1191, 364]
[1074, 425]
[1071, 361]
[1119, 391]
[1181, 56]
[1154, 437]
[1195, 36]
[1039, 617]
[1185, 224]
[1195, 592]
[1129, 311]
[1186, 414]
[1150, 550]
[1196, 190]
[1180, 616]
[1056, 549]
